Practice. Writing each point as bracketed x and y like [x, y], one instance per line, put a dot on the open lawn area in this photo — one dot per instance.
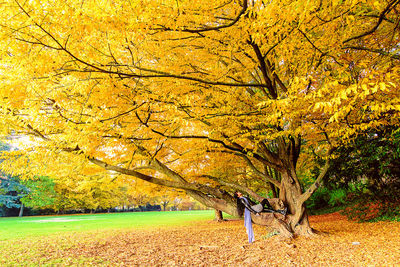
[190, 238]
[26, 227]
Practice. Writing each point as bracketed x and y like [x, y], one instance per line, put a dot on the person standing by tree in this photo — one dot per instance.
[246, 206]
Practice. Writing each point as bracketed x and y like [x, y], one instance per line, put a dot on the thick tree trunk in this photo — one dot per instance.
[290, 193]
[227, 204]
[303, 228]
[218, 216]
[273, 220]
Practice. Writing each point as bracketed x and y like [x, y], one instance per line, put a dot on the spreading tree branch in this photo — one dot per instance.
[258, 172]
[235, 187]
[388, 8]
[92, 68]
[372, 50]
[307, 194]
[216, 28]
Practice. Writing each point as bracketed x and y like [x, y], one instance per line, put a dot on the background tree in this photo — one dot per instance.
[372, 157]
[39, 193]
[366, 173]
[164, 201]
[10, 188]
[166, 196]
[168, 91]
[11, 191]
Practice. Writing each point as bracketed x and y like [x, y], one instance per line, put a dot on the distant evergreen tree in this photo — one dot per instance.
[11, 190]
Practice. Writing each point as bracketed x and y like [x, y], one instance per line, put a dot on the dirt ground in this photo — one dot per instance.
[342, 243]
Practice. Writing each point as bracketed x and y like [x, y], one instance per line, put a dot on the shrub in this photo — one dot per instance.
[382, 205]
[337, 197]
[319, 199]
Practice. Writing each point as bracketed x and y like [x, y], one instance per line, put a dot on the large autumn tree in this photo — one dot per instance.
[205, 96]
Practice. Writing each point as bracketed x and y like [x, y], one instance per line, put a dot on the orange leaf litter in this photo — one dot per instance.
[341, 242]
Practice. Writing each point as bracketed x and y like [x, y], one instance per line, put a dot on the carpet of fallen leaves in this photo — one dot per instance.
[341, 242]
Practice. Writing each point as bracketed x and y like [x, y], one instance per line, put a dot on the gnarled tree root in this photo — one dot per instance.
[274, 220]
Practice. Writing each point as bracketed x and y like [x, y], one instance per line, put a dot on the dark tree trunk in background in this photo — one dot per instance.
[21, 210]
[274, 190]
[218, 215]
[164, 204]
[274, 174]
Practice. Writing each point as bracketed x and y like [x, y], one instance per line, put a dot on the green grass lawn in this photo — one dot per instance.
[16, 228]
[40, 240]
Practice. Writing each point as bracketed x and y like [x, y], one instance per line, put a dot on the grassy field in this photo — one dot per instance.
[16, 228]
[49, 240]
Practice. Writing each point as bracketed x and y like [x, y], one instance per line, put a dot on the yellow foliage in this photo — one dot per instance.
[182, 82]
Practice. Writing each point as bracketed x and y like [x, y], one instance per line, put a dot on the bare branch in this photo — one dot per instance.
[258, 172]
[151, 179]
[307, 193]
[216, 28]
[236, 187]
[372, 50]
[122, 114]
[388, 8]
[263, 67]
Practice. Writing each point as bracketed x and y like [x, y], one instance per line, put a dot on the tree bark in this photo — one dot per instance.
[164, 205]
[274, 220]
[290, 194]
[21, 210]
[218, 216]
[274, 190]
[274, 174]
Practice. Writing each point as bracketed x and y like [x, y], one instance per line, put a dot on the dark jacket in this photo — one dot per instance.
[248, 204]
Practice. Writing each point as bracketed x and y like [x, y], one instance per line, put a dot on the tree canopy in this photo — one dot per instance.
[205, 96]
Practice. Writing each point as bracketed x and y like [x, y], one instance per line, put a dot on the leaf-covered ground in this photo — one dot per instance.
[214, 244]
